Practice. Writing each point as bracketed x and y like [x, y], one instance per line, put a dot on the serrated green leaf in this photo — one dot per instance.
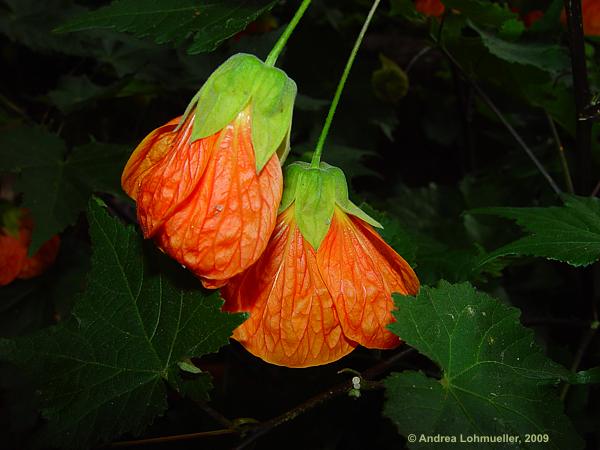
[56, 189]
[74, 92]
[495, 378]
[551, 58]
[569, 233]
[174, 21]
[102, 373]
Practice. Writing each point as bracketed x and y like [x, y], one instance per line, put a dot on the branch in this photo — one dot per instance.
[582, 93]
[336, 391]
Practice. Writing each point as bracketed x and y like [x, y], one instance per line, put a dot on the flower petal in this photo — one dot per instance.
[292, 319]
[225, 224]
[361, 271]
[172, 179]
[13, 253]
[151, 150]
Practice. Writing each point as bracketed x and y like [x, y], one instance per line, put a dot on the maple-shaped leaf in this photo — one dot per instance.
[56, 188]
[495, 380]
[569, 233]
[102, 372]
[208, 23]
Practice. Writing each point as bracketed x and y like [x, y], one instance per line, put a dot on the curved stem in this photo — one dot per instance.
[340, 87]
[274, 54]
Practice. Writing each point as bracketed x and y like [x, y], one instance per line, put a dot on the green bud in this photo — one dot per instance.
[390, 82]
[315, 193]
[242, 80]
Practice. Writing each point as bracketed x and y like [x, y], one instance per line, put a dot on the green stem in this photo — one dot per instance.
[340, 87]
[277, 49]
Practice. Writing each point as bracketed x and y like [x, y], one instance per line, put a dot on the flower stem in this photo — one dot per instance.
[340, 87]
[274, 54]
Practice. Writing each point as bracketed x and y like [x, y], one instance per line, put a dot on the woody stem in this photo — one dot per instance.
[277, 49]
[340, 87]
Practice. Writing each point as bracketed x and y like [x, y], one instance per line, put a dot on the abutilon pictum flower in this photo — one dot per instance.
[532, 17]
[325, 281]
[15, 238]
[207, 185]
[433, 8]
[590, 10]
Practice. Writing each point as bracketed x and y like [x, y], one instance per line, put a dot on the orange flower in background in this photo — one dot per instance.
[532, 17]
[310, 307]
[591, 17]
[203, 201]
[14, 245]
[208, 184]
[433, 8]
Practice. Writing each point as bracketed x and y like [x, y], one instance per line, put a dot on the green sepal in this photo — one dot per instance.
[226, 92]
[342, 199]
[10, 219]
[315, 193]
[314, 205]
[240, 81]
[272, 108]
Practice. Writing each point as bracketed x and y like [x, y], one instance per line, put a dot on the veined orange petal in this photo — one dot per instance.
[225, 224]
[151, 150]
[44, 258]
[169, 182]
[292, 320]
[361, 271]
[13, 252]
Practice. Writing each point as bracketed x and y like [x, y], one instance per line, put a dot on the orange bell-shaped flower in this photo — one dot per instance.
[433, 8]
[313, 306]
[590, 10]
[208, 185]
[14, 245]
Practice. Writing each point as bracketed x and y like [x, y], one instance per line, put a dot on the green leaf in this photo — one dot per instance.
[102, 373]
[208, 23]
[56, 189]
[551, 58]
[569, 233]
[495, 378]
[73, 93]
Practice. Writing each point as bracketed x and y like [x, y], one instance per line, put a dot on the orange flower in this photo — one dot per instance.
[208, 184]
[312, 307]
[14, 262]
[203, 201]
[591, 17]
[433, 8]
[532, 17]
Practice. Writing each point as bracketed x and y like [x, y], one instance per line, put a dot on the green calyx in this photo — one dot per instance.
[10, 219]
[240, 81]
[315, 193]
